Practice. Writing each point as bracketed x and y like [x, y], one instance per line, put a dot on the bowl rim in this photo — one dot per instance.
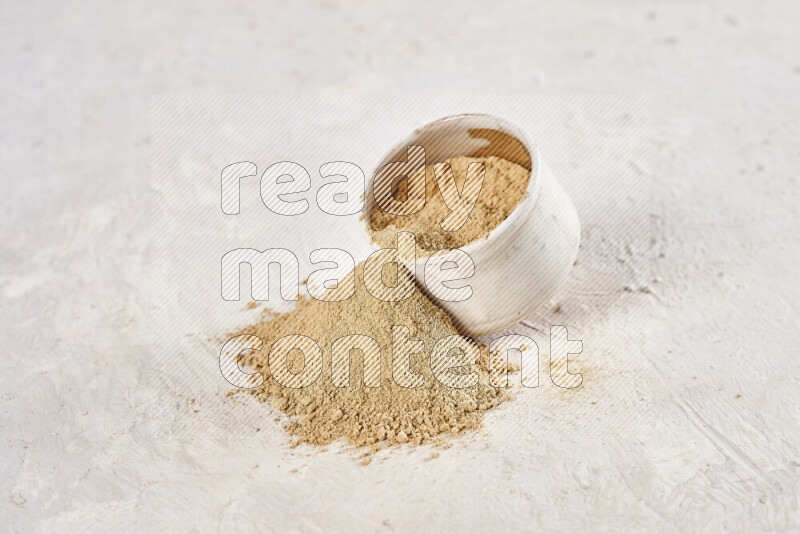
[520, 213]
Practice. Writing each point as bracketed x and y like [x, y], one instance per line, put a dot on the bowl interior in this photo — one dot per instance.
[460, 135]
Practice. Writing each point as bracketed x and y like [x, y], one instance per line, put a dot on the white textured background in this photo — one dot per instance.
[689, 416]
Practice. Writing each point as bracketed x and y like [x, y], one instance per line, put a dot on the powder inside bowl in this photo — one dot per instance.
[504, 186]
[322, 413]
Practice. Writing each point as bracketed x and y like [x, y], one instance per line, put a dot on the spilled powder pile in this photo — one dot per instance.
[364, 416]
[504, 186]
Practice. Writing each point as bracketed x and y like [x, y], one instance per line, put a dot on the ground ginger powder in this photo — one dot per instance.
[364, 416]
[504, 186]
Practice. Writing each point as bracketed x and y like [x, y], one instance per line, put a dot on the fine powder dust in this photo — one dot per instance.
[364, 416]
[504, 186]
